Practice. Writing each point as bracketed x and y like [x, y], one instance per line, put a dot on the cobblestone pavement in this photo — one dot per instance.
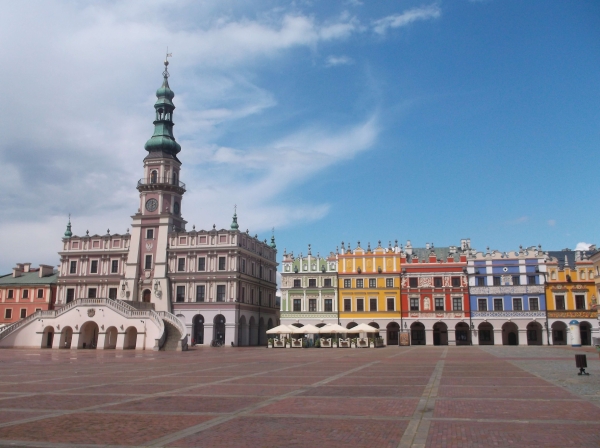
[254, 397]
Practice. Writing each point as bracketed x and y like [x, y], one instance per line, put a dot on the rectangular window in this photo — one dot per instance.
[560, 302]
[497, 281]
[516, 279]
[297, 305]
[534, 304]
[532, 279]
[359, 283]
[372, 304]
[347, 283]
[312, 282]
[347, 304]
[11, 293]
[23, 313]
[312, 305]
[201, 264]
[414, 304]
[439, 304]
[70, 295]
[220, 293]
[149, 234]
[73, 268]
[580, 302]
[517, 304]
[92, 293]
[260, 272]
[480, 281]
[482, 304]
[112, 293]
[200, 289]
[181, 264]
[40, 294]
[413, 282]
[8, 313]
[327, 282]
[94, 267]
[221, 263]
[391, 304]
[498, 305]
[297, 283]
[328, 305]
[372, 283]
[243, 294]
[25, 294]
[114, 268]
[360, 304]
[148, 263]
[456, 281]
[437, 282]
[243, 265]
[389, 282]
[180, 294]
[457, 304]
[251, 296]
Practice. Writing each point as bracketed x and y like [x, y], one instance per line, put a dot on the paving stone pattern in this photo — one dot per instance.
[257, 397]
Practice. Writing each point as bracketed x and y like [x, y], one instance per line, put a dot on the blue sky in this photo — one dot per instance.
[330, 121]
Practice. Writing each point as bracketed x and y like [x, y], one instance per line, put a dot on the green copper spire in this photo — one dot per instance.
[273, 245]
[234, 224]
[68, 233]
[162, 140]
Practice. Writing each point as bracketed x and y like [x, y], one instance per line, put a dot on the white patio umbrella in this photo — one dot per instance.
[306, 329]
[280, 329]
[363, 328]
[332, 329]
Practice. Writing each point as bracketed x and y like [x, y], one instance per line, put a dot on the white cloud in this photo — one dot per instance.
[407, 17]
[519, 220]
[582, 246]
[332, 61]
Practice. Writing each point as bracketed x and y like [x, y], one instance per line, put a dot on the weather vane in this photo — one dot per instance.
[169, 55]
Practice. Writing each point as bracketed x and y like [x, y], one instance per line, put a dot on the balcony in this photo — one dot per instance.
[160, 183]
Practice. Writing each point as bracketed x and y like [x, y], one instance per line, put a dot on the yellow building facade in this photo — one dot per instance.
[369, 288]
[571, 295]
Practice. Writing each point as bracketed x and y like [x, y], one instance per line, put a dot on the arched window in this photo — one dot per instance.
[174, 177]
[153, 177]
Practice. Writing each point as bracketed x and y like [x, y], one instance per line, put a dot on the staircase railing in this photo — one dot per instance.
[174, 320]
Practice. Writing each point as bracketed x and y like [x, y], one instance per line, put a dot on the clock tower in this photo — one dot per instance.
[159, 212]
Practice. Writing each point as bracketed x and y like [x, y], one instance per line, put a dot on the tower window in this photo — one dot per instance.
[176, 208]
[148, 264]
[181, 264]
[149, 234]
[153, 177]
[73, 268]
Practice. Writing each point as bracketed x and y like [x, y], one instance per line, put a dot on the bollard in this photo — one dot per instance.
[581, 364]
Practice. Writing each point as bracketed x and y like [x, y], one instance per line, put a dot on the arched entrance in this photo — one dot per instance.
[219, 328]
[392, 330]
[130, 338]
[559, 333]
[48, 337]
[486, 333]
[252, 332]
[462, 334]
[110, 338]
[534, 333]
[262, 332]
[417, 334]
[440, 333]
[269, 324]
[198, 329]
[66, 337]
[586, 333]
[146, 296]
[510, 334]
[243, 332]
[88, 335]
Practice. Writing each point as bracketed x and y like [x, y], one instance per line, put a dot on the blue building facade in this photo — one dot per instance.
[507, 294]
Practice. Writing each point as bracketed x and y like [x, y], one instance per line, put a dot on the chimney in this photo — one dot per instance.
[45, 270]
[26, 267]
[18, 270]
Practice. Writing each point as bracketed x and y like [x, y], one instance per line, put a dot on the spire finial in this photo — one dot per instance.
[234, 223]
[169, 55]
[68, 233]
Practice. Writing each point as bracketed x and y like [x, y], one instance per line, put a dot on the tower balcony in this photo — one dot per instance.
[161, 183]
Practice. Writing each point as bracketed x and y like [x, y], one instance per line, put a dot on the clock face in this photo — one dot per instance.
[151, 205]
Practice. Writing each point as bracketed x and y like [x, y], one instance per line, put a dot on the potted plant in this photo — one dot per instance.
[318, 343]
[270, 343]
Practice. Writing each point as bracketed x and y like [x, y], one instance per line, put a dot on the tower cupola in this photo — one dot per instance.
[162, 143]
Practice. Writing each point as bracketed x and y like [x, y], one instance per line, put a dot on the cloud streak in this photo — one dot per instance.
[381, 26]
